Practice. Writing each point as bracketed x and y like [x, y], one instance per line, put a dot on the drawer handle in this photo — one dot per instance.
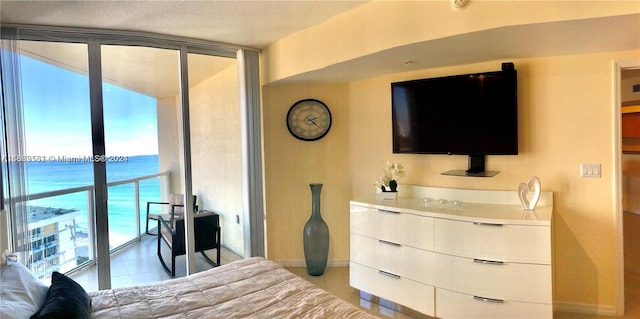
[388, 274]
[484, 299]
[388, 243]
[488, 262]
[388, 211]
[487, 224]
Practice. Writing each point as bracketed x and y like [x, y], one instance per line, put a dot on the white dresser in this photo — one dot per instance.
[467, 254]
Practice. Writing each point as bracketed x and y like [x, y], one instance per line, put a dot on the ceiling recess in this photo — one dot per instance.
[459, 4]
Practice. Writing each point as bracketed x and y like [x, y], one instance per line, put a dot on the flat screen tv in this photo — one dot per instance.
[469, 114]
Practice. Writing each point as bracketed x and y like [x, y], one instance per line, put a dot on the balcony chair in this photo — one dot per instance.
[206, 234]
[175, 209]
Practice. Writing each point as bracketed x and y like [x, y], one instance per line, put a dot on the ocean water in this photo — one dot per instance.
[59, 175]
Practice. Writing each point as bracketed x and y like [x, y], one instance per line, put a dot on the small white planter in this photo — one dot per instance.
[387, 195]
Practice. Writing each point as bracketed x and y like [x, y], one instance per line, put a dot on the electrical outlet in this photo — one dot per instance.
[590, 170]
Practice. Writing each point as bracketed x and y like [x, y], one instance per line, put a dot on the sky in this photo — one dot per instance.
[58, 120]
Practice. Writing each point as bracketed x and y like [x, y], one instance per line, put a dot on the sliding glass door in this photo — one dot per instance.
[134, 80]
[106, 122]
[139, 84]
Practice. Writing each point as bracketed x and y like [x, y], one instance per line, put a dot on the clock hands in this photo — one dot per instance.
[312, 120]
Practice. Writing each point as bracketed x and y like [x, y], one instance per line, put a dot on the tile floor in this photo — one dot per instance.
[139, 264]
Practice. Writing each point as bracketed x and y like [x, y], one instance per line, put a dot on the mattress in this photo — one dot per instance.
[248, 288]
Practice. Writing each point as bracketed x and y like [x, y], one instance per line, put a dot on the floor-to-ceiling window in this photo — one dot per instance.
[119, 128]
[59, 162]
[133, 79]
[57, 126]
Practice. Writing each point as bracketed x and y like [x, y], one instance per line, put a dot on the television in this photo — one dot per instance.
[469, 114]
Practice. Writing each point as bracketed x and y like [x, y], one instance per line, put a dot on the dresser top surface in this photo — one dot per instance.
[463, 211]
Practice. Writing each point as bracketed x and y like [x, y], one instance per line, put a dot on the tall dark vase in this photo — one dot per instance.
[316, 236]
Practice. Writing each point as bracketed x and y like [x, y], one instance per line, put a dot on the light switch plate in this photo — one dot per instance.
[590, 170]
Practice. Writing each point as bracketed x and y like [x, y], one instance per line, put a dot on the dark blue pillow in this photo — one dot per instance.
[65, 299]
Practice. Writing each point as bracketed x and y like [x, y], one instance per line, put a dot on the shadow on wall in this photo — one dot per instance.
[570, 260]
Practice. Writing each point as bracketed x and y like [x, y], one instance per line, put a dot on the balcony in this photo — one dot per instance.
[62, 233]
[143, 120]
[138, 264]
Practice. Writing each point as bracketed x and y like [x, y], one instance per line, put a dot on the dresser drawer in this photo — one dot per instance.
[513, 281]
[405, 261]
[513, 243]
[410, 293]
[452, 305]
[401, 228]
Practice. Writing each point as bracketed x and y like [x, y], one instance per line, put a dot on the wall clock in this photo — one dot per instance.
[309, 120]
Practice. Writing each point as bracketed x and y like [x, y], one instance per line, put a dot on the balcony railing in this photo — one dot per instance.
[72, 228]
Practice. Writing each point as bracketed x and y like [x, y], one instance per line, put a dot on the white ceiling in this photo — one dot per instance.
[254, 24]
[506, 43]
[258, 23]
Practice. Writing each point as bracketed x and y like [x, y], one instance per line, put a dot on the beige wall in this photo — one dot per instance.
[291, 165]
[566, 118]
[216, 156]
[626, 88]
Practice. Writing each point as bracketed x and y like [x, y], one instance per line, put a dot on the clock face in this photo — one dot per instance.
[309, 120]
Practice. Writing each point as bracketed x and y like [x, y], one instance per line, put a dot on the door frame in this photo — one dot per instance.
[618, 66]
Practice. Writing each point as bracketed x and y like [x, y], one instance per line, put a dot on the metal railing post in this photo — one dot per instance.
[136, 203]
[90, 225]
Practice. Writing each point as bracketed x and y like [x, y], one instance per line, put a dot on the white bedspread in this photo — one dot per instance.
[249, 288]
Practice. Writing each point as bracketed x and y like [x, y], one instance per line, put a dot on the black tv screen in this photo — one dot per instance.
[471, 114]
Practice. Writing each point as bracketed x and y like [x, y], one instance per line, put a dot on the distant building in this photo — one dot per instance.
[53, 240]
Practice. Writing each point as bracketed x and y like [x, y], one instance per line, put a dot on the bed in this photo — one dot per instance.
[248, 288]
